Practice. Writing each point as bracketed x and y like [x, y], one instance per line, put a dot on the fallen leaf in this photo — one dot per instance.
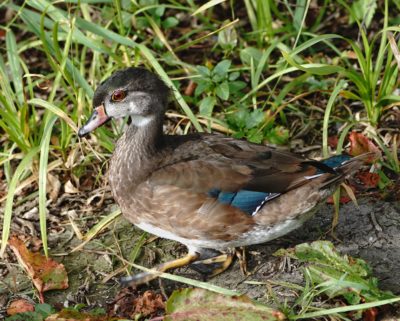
[368, 179]
[20, 306]
[148, 304]
[53, 187]
[350, 54]
[370, 314]
[201, 305]
[46, 274]
[131, 304]
[360, 144]
[342, 200]
[344, 196]
[70, 189]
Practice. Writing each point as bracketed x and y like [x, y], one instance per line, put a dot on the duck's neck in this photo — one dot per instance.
[136, 152]
[144, 136]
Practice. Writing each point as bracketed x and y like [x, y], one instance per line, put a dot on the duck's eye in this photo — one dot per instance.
[118, 95]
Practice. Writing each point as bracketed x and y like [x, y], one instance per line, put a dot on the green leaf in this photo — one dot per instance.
[26, 316]
[255, 136]
[236, 86]
[201, 305]
[249, 53]
[221, 69]
[234, 75]
[255, 118]
[364, 11]
[222, 90]
[44, 309]
[237, 119]
[170, 22]
[207, 105]
[141, 23]
[202, 86]
[278, 135]
[203, 71]
[159, 12]
[338, 275]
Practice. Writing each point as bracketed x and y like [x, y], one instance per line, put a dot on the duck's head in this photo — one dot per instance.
[133, 92]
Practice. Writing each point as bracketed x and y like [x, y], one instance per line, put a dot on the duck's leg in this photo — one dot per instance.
[241, 255]
[145, 277]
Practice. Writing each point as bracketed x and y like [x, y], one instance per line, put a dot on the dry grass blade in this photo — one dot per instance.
[207, 5]
[394, 47]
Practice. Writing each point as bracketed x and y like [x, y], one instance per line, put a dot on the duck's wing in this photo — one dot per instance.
[234, 172]
[224, 163]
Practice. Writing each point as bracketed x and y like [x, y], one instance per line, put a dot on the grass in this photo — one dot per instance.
[262, 72]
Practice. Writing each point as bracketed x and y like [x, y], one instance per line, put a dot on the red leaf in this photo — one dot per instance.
[368, 179]
[360, 144]
[370, 314]
[342, 200]
[20, 306]
[46, 274]
[130, 304]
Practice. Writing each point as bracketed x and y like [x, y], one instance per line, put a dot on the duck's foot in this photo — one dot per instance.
[215, 265]
[145, 277]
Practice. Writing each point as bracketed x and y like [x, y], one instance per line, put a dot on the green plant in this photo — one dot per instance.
[217, 84]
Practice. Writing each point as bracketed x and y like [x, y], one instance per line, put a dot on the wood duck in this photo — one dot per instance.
[206, 191]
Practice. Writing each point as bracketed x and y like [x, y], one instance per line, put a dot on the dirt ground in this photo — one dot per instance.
[371, 232]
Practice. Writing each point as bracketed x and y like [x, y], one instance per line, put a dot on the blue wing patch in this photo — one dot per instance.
[336, 161]
[247, 201]
[251, 202]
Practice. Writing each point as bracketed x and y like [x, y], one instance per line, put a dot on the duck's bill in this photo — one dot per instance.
[98, 118]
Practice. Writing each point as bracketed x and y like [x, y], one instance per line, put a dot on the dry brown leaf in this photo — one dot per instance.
[360, 144]
[20, 306]
[53, 186]
[130, 304]
[46, 274]
[148, 304]
[70, 189]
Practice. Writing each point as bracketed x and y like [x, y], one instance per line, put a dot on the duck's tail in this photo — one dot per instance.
[302, 200]
[345, 168]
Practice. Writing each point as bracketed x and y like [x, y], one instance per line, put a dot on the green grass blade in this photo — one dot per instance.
[328, 111]
[19, 172]
[55, 110]
[207, 6]
[63, 18]
[317, 69]
[33, 21]
[44, 156]
[15, 67]
[156, 65]
[356, 307]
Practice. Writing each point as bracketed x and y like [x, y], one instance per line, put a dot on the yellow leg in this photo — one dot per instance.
[241, 255]
[145, 277]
